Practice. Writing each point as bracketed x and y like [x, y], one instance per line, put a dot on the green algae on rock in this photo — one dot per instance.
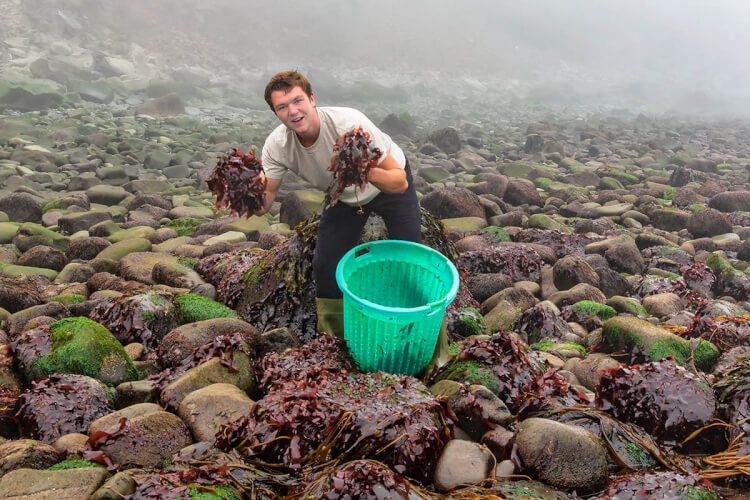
[193, 307]
[643, 342]
[84, 347]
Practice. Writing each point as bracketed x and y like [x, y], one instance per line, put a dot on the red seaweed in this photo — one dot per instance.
[238, 183]
[355, 156]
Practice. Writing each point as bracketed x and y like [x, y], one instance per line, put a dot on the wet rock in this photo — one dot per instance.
[43, 256]
[140, 391]
[581, 291]
[299, 205]
[17, 321]
[20, 293]
[180, 342]
[68, 484]
[29, 235]
[462, 462]
[561, 455]
[731, 201]
[478, 409]
[621, 253]
[104, 194]
[70, 444]
[150, 439]
[26, 453]
[210, 372]
[485, 285]
[588, 370]
[522, 192]
[447, 139]
[75, 273]
[647, 342]
[571, 270]
[167, 105]
[452, 202]
[709, 222]
[21, 207]
[205, 410]
[86, 248]
[663, 305]
[118, 486]
[73, 223]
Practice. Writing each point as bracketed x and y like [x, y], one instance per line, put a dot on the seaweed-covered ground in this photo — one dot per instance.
[154, 347]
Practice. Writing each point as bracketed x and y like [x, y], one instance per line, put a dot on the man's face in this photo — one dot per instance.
[295, 110]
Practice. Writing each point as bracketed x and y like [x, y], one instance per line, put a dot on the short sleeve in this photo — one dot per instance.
[273, 168]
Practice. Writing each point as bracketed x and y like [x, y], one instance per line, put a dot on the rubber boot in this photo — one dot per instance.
[440, 356]
[330, 316]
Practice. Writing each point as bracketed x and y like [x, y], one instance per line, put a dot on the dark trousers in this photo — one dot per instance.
[341, 226]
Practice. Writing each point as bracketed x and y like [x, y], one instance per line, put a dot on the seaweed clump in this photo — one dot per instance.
[725, 332]
[307, 421]
[365, 479]
[520, 262]
[665, 485]
[674, 404]
[542, 322]
[138, 317]
[503, 364]
[61, 404]
[204, 482]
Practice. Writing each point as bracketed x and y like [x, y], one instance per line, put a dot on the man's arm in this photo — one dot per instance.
[389, 177]
[272, 187]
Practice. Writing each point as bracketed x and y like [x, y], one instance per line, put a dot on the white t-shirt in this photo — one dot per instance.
[283, 151]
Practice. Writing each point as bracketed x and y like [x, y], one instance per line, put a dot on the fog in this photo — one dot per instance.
[666, 56]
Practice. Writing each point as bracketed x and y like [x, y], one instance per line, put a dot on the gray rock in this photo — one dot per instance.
[21, 207]
[581, 291]
[588, 370]
[447, 139]
[663, 305]
[462, 462]
[522, 192]
[571, 270]
[447, 203]
[709, 222]
[207, 409]
[69, 484]
[561, 455]
[731, 201]
[72, 223]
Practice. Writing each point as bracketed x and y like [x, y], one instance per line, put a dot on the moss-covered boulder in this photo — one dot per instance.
[645, 342]
[29, 235]
[249, 225]
[193, 307]
[130, 233]
[627, 305]
[13, 271]
[586, 309]
[7, 231]
[543, 221]
[463, 224]
[122, 248]
[84, 347]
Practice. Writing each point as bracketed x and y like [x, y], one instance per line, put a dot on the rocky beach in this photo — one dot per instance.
[152, 346]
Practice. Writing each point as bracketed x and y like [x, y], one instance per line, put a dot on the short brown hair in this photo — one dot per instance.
[286, 81]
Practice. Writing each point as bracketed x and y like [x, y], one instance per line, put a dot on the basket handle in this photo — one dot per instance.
[435, 306]
[362, 251]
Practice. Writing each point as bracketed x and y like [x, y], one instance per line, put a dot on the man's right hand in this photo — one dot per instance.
[272, 187]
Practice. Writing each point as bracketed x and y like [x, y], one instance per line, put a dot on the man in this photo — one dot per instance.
[303, 143]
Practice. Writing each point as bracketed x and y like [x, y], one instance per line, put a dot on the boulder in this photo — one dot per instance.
[571, 270]
[66, 484]
[709, 222]
[731, 201]
[562, 455]
[205, 410]
[26, 453]
[150, 439]
[180, 342]
[447, 203]
[21, 207]
[462, 462]
[522, 192]
[43, 256]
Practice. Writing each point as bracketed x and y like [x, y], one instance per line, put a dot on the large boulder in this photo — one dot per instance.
[43, 256]
[522, 192]
[180, 342]
[86, 248]
[149, 439]
[709, 222]
[621, 253]
[562, 455]
[21, 207]
[462, 462]
[76, 222]
[646, 342]
[207, 409]
[571, 270]
[65, 484]
[731, 201]
[448, 203]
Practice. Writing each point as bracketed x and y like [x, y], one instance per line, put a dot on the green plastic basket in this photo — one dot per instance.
[395, 295]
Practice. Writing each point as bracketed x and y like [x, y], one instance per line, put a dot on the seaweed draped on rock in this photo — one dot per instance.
[274, 288]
